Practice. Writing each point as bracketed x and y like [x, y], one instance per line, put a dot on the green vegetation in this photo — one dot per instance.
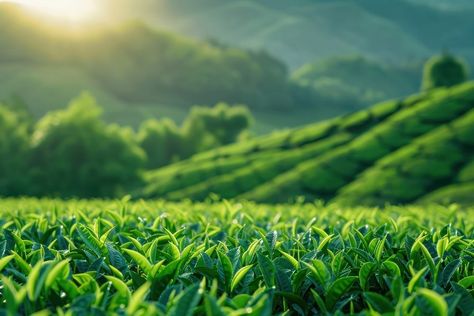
[13, 151]
[157, 258]
[459, 192]
[203, 129]
[444, 71]
[74, 153]
[389, 31]
[368, 213]
[396, 152]
[357, 81]
[130, 64]
[427, 163]
[138, 73]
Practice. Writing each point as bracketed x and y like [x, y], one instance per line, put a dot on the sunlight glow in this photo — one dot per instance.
[72, 11]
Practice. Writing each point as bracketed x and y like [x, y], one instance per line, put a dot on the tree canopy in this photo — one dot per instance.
[14, 140]
[204, 128]
[74, 153]
[444, 71]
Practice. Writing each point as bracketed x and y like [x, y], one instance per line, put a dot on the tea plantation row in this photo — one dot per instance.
[157, 258]
[382, 154]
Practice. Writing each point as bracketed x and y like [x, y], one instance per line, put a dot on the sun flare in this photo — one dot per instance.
[73, 11]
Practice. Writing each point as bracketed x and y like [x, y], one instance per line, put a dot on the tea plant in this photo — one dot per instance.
[157, 258]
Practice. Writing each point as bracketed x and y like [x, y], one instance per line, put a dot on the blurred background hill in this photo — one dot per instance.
[151, 59]
[301, 31]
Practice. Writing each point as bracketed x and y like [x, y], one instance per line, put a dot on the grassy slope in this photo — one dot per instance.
[426, 164]
[324, 159]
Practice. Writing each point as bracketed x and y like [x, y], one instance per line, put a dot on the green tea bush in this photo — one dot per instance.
[461, 193]
[158, 258]
[426, 164]
[317, 175]
[467, 173]
[260, 167]
[384, 109]
[278, 153]
[312, 133]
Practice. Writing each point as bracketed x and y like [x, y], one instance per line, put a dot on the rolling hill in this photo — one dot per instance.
[357, 80]
[416, 149]
[132, 68]
[301, 31]
[137, 73]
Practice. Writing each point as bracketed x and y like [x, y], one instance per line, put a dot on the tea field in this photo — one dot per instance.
[222, 258]
[417, 149]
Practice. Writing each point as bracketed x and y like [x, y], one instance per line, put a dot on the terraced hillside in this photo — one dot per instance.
[400, 151]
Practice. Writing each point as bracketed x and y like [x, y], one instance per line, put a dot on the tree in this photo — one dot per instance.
[75, 154]
[14, 149]
[444, 71]
[204, 128]
[161, 141]
[207, 128]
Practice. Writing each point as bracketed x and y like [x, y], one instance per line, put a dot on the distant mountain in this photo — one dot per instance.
[357, 80]
[301, 31]
[137, 72]
[446, 4]
[401, 151]
[131, 65]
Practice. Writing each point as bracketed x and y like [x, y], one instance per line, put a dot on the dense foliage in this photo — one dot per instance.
[14, 144]
[158, 258]
[441, 157]
[397, 151]
[74, 153]
[444, 71]
[203, 129]
[161, 140]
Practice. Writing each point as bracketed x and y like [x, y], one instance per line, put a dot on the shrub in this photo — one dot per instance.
[74, 153]
[14, 151]
[161, 141]
[444, 71]
[207, 128]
